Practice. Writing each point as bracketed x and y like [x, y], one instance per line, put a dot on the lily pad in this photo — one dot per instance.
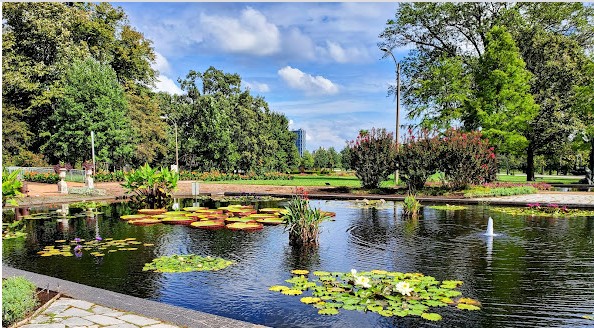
[249, 226]
[181, 220]
[328, 311]
[210, 224]
[273, 210]
[194, 208]
[134, 217]
[236, 219]
[175, 213]
[469, 307]
[144, 222]
[291, 291]
[310, 300]
[299, 272]
[186, 263]
[151, 211]
[278, 288]
[270, 221]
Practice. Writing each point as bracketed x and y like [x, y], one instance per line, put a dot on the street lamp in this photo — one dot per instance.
[165, 117]
[388, 51]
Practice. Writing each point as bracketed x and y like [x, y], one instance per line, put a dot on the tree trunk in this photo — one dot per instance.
[530, 163]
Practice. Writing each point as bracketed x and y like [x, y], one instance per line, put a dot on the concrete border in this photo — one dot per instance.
[151, 309]
[440, 200]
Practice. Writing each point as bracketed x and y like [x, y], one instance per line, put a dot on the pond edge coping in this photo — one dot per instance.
[152, 309]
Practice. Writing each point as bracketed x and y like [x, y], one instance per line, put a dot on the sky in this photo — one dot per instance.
[317, 63]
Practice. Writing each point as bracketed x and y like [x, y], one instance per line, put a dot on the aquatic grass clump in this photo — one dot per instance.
[302, 221]
[537, 209]
[18, 299]
[186, 263]
[383, 292]
[448, 207]
[411, 207]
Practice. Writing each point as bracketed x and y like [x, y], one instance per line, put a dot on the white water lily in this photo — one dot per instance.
[404, 288]
[362, 281]
[354, 272]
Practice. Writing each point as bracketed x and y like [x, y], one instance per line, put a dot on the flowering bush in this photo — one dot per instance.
[373, 156]
[466, 159]
[41, 177]
[418, 158]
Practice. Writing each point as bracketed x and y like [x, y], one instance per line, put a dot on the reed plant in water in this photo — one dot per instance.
[411, 207]
[302, 221]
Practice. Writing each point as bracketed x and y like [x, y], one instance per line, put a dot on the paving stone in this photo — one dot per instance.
[114, 313]
[41, 319]
[74, 312]
[56, 308]
[76, 322]
[80, 304]
[104, 320]
[138, 320]
[98, 309]
[161, 325]
[45, 325]
[123, 325]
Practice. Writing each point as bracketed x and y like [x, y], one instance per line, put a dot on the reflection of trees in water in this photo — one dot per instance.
[306, 258]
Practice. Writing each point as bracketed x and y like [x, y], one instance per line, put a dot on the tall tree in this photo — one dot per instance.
[321, 158]
[93, 101]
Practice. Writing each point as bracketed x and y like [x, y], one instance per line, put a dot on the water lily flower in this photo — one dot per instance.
[99, 238]
[77, 240]
[354, 272]
[404, 288]
[362, 281]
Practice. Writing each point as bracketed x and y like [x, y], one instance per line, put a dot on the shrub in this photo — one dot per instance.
[105, 176]
[302, 221]
[481, 191]
[221, 176]
[373, 156]
[466, 159]
[418, 159]
[150, 185]
[18, 299]
[11, 187]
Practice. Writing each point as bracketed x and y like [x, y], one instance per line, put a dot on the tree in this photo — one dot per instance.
[345, 158]
[449, 41]
[321, 158]
[307, 160]
[93, 101]
[334, 156]
[584, 105]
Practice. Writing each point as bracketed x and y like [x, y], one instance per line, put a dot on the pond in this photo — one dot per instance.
[535, 272]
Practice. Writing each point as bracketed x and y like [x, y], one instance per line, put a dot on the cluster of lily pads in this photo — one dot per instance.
[537, 209]
[186, 263]
[13, 230]
[97, 247]
[366, 203]
[448, 207]
[386, 293]
[232, 217]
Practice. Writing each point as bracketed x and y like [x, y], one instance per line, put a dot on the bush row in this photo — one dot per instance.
[481, 191]
[221, 176]
[41, 177]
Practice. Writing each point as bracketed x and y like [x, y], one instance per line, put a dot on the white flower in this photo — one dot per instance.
[362, 281]
[354, 272]
[404, 288]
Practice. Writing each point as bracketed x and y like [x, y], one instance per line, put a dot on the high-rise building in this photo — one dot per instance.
[300, 142]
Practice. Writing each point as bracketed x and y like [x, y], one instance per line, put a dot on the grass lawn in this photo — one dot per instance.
[310, 180]
[547, 179]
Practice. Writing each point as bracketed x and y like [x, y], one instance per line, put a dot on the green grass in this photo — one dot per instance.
[522, 178]
[309, 180]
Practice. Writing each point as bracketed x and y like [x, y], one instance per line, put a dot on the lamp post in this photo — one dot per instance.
[165, 117]
[388, 51]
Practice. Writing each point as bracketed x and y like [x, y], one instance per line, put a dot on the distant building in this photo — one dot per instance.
[300, 142]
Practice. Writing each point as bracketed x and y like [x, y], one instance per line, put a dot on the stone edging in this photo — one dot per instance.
[151, 309]
[38, 311]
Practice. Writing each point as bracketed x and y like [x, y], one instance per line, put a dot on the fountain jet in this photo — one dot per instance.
[489, 231]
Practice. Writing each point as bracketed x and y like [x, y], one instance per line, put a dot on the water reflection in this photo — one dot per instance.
[535, 272]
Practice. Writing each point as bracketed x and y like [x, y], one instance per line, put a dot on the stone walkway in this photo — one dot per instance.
[68, 312]
[582, 199]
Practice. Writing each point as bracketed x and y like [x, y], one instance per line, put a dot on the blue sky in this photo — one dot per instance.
[318, 63]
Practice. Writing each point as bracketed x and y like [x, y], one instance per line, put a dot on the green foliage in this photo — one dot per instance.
[19, 298]
[417, 159]
[480, 191]
[448, 207]
[411, 206]
[549, 210]
[11, 187]
[186, 263]
[373, 156]
[307, 160]
[303, 222]
[345, 158]
[384, 292]
[93, 101]
[151, 185]
[41, 177]
[321, 158]
[220, 176]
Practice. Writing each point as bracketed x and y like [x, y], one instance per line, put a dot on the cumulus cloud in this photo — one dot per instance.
[161, 64]
[251, 33]
[256, 86]
[299, 80]
[298, 45]
[344, 55]
[166, 84]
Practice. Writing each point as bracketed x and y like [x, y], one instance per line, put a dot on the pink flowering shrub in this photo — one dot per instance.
[373, 156]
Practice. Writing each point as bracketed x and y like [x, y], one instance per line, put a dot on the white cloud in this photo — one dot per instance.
[166, 84]
[256, 86]
[344, 55]
[251, 33]
[298, 45]
[297, 79]
[161, 64]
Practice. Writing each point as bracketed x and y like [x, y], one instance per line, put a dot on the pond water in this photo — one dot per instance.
[535, 272]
